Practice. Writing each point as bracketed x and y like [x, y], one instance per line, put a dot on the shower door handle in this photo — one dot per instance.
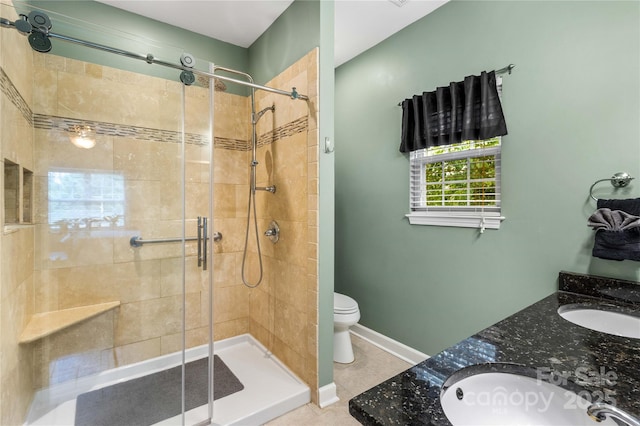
[199, 241]
[203, 238]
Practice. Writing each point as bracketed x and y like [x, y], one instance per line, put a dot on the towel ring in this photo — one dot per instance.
[619, 180]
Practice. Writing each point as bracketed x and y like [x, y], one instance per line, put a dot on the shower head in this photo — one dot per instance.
[261, 113]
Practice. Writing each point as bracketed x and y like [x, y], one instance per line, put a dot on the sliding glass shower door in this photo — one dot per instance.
[123, 241]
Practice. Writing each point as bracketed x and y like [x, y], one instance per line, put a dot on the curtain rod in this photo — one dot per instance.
[505, 70]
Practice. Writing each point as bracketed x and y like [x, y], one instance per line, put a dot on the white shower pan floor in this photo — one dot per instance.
[270, 388]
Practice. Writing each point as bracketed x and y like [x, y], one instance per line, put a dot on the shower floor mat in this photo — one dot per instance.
[270, 388]
[149, 399]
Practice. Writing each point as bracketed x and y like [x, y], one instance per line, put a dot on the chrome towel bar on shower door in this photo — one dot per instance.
[137, 241]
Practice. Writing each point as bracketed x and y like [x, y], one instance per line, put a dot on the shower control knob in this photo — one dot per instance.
[273, 232]
[187, 60]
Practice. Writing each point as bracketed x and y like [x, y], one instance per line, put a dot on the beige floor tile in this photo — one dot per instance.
[371, 366]
[298, 416]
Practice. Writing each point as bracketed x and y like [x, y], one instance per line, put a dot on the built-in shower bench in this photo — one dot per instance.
[47, 323]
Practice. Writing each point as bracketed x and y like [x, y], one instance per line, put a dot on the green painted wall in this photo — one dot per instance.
[288, 39]
[572, 107]
[327, 196]
[103, 24]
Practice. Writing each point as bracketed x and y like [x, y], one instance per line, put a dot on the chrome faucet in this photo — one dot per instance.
[599, 412]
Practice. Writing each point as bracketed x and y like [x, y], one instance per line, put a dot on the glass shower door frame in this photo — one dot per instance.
[205, 254]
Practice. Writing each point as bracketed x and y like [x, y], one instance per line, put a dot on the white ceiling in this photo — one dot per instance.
[359, 24]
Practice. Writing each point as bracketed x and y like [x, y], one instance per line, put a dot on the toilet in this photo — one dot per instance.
[345, 314]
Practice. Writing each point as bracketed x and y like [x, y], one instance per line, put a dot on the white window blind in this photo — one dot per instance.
[457, 185]
[463, 180]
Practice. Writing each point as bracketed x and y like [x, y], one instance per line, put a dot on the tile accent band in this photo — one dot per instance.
[65, 124]
[11, 92]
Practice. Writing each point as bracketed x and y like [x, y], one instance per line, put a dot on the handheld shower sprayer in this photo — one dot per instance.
[256, 116]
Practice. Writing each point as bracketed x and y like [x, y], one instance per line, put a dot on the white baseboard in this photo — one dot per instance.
[385, 343]
[327, 395]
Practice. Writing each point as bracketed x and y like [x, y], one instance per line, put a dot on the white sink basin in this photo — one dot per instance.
[503, 399]
[610, 322]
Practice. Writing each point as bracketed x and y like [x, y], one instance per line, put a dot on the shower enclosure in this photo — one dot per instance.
[125, 242]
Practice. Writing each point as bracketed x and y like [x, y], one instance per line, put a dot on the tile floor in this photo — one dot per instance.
[371, 366]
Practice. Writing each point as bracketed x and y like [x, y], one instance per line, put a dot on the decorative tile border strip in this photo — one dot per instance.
[65, 124]
[11, 92]
[289, 129]
[232, 144]
[48, 122]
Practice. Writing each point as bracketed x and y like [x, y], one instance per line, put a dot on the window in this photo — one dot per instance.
[456, 185]
[86, 199]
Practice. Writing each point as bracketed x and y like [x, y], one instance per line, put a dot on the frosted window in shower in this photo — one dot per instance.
[86, 199]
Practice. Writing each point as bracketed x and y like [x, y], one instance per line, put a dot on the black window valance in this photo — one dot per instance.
[465, 110]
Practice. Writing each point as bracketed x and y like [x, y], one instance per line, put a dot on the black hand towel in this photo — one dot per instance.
[631, 205]
[619, 244]
[613, 220]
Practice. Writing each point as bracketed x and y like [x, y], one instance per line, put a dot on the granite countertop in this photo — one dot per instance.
[533, 341]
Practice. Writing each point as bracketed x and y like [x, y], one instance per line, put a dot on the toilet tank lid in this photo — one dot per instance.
[342, 301]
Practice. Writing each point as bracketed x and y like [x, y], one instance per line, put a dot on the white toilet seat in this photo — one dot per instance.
[346, 320]
[345, 314]
[343, 304]
[345, 311]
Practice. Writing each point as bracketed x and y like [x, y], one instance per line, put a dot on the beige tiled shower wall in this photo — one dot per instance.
[284, 308]
[16, 241]
[90, 261]
[63, 261]
[231, 187]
